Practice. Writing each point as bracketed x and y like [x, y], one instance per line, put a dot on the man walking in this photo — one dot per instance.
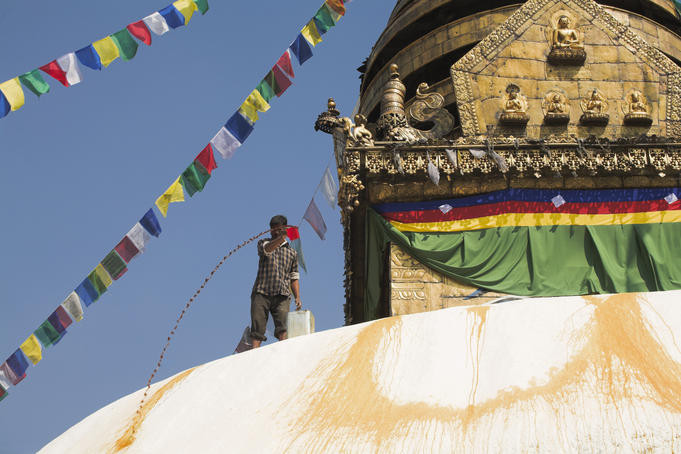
[277, 278]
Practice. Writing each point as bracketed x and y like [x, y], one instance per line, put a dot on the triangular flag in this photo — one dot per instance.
[32, 349]
[202, 5]
[337, 6]
[139, 236]
[283, 82]
[301, 49]
[329, 188]
[173, 194]
[314, 217]
[284, 63]
[13, 93]
[324, 19]
[207, 159]
[294, 240]
[156, 23]
[140, 31]
[127, 46]
[252, 105]
[3, 393]
[150, 223]
[186, 8]
[239, 127]
[69, 64]
[225, 143]
[311, 33]
[173, 17]
[107, 50]
[35, 82]
[53, 69]
[72, 305]
[89, 57]
[265, 89]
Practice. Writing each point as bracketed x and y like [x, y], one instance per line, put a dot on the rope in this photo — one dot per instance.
[186, 308]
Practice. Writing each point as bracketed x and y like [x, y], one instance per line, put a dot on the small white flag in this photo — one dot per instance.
[477, 154]
[451, 154]
[72, 305]
[69, 65]
[225, 143]
[671, 198]
[314, 217]
[558, 201]
[433, 173]
[139, 236]
[446, 208]
[329, 188]
[156, 23]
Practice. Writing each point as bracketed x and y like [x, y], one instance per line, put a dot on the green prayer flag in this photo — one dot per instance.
[127, 46]
[324, 19]
[202, 5]
[96, 282]
[46, 334]
[265, 90]
[194, 178]
[114, 264]
[34, 81]
[3, 395]
[272, 82]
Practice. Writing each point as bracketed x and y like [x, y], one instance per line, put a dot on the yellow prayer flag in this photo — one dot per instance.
[254, 103]
[103, 275]
[174, 193]
[13, 92]
[187, 8]
[32, 349]
[311, 33]
[107, 50]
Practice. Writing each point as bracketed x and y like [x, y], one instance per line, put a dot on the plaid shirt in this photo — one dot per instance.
[276, 270]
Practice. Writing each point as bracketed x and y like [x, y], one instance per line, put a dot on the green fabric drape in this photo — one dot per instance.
[536, 261]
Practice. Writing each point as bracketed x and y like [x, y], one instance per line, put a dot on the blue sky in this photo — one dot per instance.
[81, 165]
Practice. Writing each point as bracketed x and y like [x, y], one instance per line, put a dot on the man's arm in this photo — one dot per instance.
[270, 246]
[295, 287]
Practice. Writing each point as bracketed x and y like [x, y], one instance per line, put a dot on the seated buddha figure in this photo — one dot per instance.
[637, 112]
[564, 36]
[595, 109]
[514, 107]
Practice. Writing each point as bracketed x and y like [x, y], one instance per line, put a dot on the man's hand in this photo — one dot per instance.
[299, 304]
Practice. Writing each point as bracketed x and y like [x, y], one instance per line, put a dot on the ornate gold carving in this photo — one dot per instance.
[595, 108]
[556, 108]
[357, 132]
[429, 107]
[514, 108]
[636, 110]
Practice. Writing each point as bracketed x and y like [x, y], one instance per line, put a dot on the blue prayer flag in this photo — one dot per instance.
[239, 127]
[4, 105]
[301, 49]
[56, 324]
[89, 57]
[87, 293]
[18, 363]
[150, 223]
[173, 17]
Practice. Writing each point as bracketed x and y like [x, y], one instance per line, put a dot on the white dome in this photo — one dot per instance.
[573, 374]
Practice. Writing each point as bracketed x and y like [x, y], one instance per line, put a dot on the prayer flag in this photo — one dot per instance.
[671, 198]
[284, 63]
[127, 46]
[35, 82]
[140, 31]
[107, 50]
[69, 64]
[239, 127]
[73, 307]
[301, 49]
[139, 236]
[558, 201]
[202, 5]
[13, 93]
[150, 223]
[174, 193]
[173, 17]
[225, 143]
[337, 6]
[54, 70]
[126, 249]
[314, 217]
[7, 374]
[114, 265]
[63, 317]
[100, 279]
[47, 334]
[311, 33]
[186, 8]
[272, 82]
[329, 188]
[194, 178]
[18, 363]
[294, 241]
[4, 106]
[53, 319]
[253, 104]
[324, 19]
[446, 208]
[32, 349]
[156, 23]
[89, 57]
[433, 173]
[86, 292]
[283, 82]
[207, 159]
[265, 89]
[3, 393]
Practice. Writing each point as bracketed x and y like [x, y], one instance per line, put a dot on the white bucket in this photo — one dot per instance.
[299, 323]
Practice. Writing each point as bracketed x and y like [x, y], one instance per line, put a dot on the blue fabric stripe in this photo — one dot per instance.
[89, 57]
[536, 195]
[301, 49]
[18, 363]
[173, 17]
[150, 223]
[239, 127]
[87, 292]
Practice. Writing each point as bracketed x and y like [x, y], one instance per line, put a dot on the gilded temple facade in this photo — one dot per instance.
[528, 110]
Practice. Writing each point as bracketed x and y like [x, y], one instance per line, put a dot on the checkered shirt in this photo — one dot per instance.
[276, 270]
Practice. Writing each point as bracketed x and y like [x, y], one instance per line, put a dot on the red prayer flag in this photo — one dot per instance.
[63, 317]
[337, 6]
[53, 69]
[292, 233]
[285, 64]
[207, 159]
[282, 81]
[127, 249]
[140, 31]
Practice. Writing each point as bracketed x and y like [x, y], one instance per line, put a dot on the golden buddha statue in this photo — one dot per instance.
[556, 108]
[636, 110]
[514, 107]
[566, 46]
[595, 109]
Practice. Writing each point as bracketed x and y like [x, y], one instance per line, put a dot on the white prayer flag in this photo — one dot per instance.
[225, 143]
[477, 154]
[69, 65]
[156, 23]
[314, 217]
[5, 380]
[329, 188]
[446, 208]
[139, 236]
[433, 173]
[558, 201]
[72, 305]
[671, 198]
[451, 154]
